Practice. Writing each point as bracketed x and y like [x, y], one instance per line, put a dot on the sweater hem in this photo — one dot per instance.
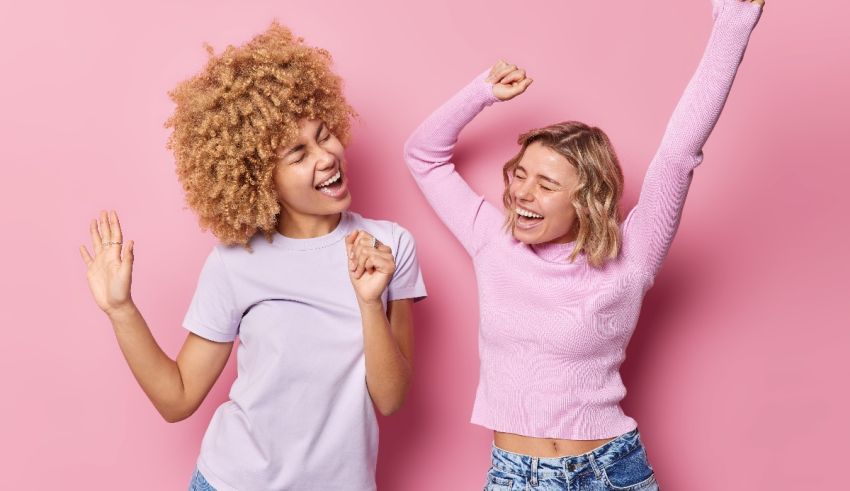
[613, 431]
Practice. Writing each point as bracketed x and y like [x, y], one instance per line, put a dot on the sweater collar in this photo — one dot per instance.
[554, 252]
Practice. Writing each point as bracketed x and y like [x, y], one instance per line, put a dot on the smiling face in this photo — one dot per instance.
[540, 193]
[310, 176]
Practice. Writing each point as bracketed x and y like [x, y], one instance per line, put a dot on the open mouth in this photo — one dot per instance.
[334, 186]
[527, 219]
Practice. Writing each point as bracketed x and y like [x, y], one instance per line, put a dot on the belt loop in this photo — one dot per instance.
[594, 465]
[534, 462]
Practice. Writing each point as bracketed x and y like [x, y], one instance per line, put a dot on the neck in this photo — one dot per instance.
[302, 226]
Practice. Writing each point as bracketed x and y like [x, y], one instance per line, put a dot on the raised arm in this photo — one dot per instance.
[175, 387]
[428, 153]
[650, 227]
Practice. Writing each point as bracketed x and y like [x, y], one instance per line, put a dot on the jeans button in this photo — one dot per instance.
[571, 467]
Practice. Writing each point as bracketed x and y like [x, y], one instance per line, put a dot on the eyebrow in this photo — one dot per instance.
[541, 176]
[301, 146]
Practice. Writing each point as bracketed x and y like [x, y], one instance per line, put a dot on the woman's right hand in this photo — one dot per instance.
[508, 80]
[109, 274]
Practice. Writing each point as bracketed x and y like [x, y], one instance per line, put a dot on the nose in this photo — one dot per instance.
[324, 160]
[523, 191]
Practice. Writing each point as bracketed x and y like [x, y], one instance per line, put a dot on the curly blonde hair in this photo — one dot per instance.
[234, 115]
[596, 196]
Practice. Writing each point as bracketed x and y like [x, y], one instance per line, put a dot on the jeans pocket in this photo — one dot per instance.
[498, 481]
[630, 472]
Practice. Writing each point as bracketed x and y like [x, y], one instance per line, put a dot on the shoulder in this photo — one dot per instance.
[239, 257]
[386, 231]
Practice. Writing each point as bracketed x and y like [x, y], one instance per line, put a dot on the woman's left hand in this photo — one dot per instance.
[369, 267]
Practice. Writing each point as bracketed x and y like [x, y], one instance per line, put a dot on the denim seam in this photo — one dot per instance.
[633, 487]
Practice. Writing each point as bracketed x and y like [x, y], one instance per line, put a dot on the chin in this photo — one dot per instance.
[525, 238]
[339, 206]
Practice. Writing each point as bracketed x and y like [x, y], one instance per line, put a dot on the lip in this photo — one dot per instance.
[337, 194]
[520, 224]
[325, 178]
[527, 209]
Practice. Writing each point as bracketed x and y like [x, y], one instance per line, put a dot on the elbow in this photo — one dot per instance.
[388, 408]
[392, 403]
[172, 418]
[418, 158]
[409, 151]
[175, 414]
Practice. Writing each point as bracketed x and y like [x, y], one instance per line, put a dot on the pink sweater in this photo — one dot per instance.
[553, 334]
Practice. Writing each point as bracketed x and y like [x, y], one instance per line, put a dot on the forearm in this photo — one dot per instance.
[432, 143]
[157, 374]
[651, 226]
[388, 372]
[700, 106]
[427, 154]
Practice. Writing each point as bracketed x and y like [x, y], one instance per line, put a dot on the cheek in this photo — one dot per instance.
[559, 208]
[291, 185]
[336, 148]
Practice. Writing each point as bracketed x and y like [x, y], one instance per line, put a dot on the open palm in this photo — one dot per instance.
[109, 275]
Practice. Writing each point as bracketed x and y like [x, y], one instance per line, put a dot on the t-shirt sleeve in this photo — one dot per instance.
[213, 313]
[407, 280]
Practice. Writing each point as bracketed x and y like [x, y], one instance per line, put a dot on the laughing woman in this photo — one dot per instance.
[561, 279]
[319, 296]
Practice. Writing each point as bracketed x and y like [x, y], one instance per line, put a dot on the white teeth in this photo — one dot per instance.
[527, 213]
[331, 180]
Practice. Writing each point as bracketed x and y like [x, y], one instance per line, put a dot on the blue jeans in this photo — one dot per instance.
[620, 465]
[199, 483]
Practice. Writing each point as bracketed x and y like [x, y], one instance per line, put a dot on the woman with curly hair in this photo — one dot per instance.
[319, 296]
[561, 280]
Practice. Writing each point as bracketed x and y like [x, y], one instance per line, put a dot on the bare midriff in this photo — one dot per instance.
[544, 447]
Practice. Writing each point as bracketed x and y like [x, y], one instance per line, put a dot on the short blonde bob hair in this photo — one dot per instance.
[596, 196]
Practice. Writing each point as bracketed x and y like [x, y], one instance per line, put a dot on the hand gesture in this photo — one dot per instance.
[370, 265]
[109, 274]
[508, 80]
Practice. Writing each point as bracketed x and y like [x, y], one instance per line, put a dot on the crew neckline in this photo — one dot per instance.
[334, 236]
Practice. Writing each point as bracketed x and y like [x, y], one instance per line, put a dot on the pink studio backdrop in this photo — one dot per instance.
[737, 373]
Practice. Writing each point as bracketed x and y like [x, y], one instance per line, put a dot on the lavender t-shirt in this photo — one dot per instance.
[299, 415]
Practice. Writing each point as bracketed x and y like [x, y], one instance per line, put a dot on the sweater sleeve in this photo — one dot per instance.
[651, 225]
[428, 154]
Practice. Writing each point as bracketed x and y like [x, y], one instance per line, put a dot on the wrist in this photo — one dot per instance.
[737, 13]
[370, 304]
[486, 88]
[122, 312]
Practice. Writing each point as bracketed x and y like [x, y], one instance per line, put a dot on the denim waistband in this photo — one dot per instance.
[535, 468]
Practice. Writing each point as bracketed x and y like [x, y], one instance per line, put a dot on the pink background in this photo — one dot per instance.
[737, 373]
